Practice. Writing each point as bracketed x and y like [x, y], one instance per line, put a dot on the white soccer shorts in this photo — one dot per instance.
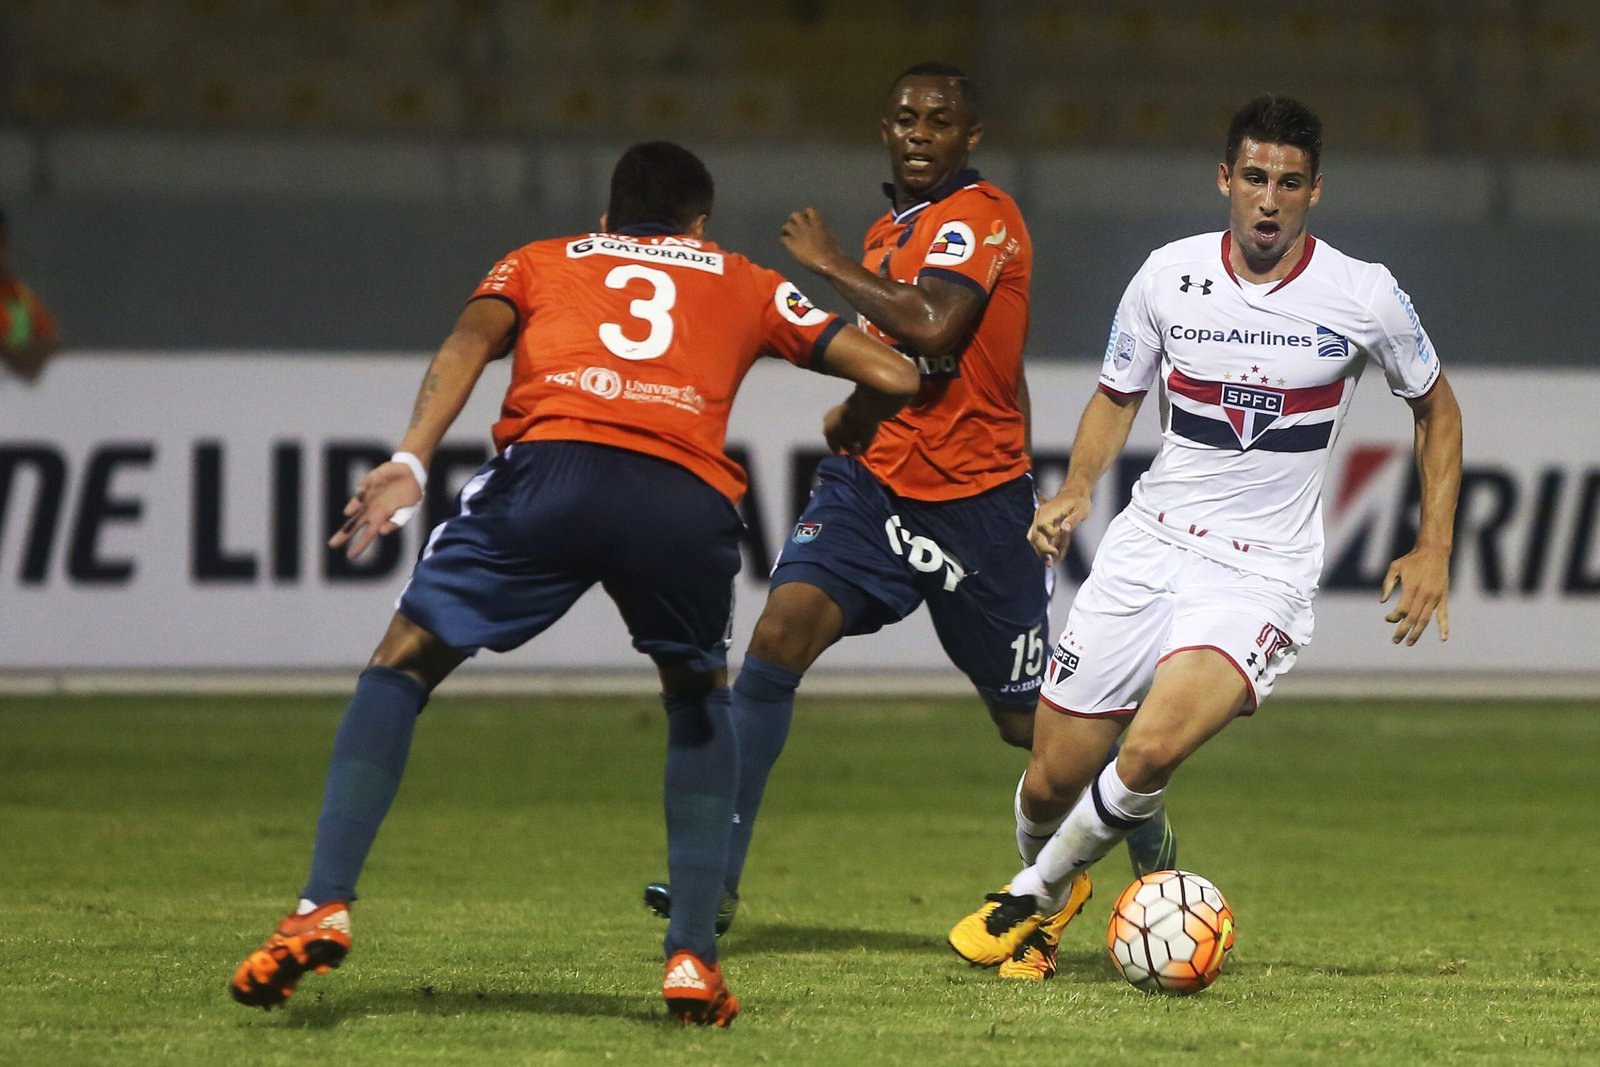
[1146, 599]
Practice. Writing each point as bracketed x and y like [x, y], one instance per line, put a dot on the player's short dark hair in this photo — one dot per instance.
[659, 182]
[935, 69]
[1272, 119]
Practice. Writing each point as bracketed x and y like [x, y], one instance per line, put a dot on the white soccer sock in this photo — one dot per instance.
[1031, 836]
[1104, 815]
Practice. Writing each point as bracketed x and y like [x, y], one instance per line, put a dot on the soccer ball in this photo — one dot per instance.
[1170, 932]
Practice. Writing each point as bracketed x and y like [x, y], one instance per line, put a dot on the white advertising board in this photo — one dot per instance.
[169, 511]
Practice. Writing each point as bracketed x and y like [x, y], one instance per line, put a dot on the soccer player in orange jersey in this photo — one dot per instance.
[937, 510]
[610, 470]
[28, 335]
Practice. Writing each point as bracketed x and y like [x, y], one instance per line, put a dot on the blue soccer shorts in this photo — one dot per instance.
[545, 520]
[879, 556]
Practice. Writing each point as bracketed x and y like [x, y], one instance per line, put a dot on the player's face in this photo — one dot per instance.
[1269, 188]
[929, 131]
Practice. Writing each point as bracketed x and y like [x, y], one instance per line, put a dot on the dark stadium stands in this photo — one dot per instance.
[1437, 79]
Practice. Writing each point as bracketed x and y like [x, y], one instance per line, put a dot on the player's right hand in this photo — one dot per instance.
[386, 489]
[1054, 522]
[809, 240]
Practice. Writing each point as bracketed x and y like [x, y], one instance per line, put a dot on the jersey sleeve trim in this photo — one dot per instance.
[1433, 380]
[953, 276]
[1118, 394]
[824, 339]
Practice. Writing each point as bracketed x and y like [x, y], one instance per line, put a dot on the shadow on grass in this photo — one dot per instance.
[1325, 969]
[1098, 963]
[328, 1010]
[781, 938]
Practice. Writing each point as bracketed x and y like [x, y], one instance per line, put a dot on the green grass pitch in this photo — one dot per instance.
[1414, 882]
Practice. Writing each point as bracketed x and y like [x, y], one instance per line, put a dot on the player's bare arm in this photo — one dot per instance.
[481, 333]
[1423, 574]
[1025, 406]
[933, 317]
[885, 382]
[1102, 433]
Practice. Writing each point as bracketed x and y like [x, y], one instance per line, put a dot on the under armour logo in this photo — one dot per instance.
[1205, 286]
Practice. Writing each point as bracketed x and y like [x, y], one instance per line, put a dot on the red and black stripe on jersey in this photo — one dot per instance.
[1239, 428]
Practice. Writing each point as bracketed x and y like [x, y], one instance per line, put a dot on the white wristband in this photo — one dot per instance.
[403, 515]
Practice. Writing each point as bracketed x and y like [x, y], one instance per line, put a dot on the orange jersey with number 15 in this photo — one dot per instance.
[640, 342]
[964, 433]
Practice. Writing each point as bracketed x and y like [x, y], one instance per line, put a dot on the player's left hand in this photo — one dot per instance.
[388, 488]
[1423, 575]
[847, 431]
[809, 240]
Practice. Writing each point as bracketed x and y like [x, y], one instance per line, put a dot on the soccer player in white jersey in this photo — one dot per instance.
[1200, 594]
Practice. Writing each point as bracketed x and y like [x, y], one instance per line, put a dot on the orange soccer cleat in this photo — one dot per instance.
[316, 941]
[695, 992]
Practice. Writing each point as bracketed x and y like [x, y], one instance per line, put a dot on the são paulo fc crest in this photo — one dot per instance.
[1251, 412]
[1063, 665]
[952, 245]
[806, 532]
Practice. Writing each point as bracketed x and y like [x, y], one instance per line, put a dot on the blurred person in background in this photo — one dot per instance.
[938, 510]
[28, 334]
[1200, 596]
[627, 348]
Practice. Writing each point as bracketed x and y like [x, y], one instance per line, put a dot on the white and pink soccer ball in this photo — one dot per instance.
[1170, 932]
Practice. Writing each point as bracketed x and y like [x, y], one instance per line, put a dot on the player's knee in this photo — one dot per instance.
[1047, 788]
[788, 639]
[682, 682]
[1147, 762]
[409, 649]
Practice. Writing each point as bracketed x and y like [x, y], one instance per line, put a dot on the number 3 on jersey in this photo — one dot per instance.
[655, 309]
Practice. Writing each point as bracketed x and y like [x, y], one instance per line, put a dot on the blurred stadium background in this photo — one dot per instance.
[320, 176]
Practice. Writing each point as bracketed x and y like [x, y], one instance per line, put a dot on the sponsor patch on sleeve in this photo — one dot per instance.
[793, 305]
[952, 245]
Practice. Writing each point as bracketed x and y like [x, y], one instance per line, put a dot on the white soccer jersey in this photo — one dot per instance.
[1255, 382]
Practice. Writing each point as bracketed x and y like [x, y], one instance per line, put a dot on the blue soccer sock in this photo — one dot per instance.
[763, 705]
[702, 773]
[369, 756]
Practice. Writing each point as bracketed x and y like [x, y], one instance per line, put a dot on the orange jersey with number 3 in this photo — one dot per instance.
[964, 433]
[640, 342]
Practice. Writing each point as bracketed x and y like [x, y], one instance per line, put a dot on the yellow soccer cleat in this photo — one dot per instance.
[1035, 959]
